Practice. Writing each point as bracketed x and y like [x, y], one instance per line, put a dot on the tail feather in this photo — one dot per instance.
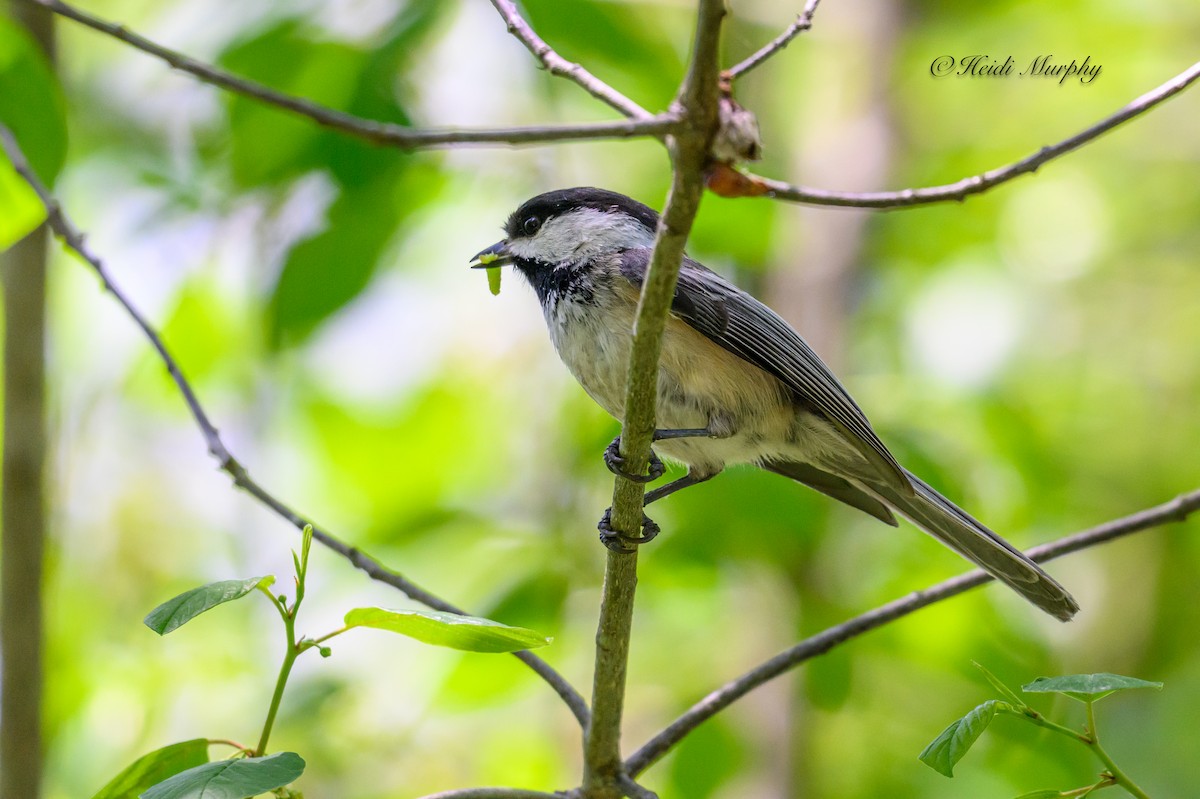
[831, 485]
[951, 525]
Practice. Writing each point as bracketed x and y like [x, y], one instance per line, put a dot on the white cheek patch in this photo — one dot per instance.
[582, 235]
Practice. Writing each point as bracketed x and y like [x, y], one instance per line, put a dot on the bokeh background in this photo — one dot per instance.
[1033, 352]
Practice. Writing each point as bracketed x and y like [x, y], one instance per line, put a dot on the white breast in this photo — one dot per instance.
[596, 353]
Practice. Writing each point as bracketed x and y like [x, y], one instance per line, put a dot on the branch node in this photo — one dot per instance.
[737, 137]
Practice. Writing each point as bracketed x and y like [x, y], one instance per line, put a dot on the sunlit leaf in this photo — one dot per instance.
[177, 611]
[231, 779]
[1087, 687]
[469, 633]
[151, 769]
[31, 106]
[957, 739]
[23, 211]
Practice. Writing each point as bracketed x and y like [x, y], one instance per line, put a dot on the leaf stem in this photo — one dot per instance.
[315, 641]
[1119, 777]
[278, 603]
[1033, 717]
[285, 670]
[1087, 790]
[294, 649]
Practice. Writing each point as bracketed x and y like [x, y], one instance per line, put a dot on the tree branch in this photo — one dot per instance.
[1176, 510]
[697, 101]
[74, 240]
[371, 130]
[978, 184]
[23, 487]
[642, 123]
[688, 130]
[803, 22]
[557, 65]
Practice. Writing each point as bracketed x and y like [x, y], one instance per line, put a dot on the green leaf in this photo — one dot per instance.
[469, 633]
[1049, 793]
[31, 106]
[151, 769]
[1087, 687]
[623, 43]
[179, 610]
[268, 145]
[954, 742]
[231, 779]
[324, 273]
[1004, 690]
[301, 561]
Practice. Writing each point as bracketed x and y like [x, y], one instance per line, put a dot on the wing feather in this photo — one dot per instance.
[739, 323]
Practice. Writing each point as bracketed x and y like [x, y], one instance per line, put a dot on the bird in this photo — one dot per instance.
[736, 383]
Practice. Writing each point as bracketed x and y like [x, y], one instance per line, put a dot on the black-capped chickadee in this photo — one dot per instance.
[736, 384]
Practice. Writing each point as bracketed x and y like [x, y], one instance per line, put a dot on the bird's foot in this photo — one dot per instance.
[619, 542]
[616, 464]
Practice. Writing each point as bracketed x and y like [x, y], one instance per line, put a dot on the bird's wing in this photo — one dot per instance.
[745, 327]
[832, 485]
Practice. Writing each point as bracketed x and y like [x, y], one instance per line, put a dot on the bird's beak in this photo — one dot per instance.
[496, 255]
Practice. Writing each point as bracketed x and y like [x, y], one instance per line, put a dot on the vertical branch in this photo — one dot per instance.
[23, 517]
[22, 506]
[689, 148]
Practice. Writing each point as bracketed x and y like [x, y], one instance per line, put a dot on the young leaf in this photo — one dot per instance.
[306, 539]
[1087, 687]
[231, 779]
[153, 768]
[949, 747]
[180, 610]
[469, 633]
[1004, 690]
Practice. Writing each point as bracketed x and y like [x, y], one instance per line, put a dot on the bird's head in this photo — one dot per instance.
[570, 226]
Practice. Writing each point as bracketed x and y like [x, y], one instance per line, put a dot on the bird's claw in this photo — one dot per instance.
[616, 464]
[619, 542]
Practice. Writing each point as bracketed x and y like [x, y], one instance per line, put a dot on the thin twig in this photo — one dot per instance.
[979, 183]
[557, 65]
[641, 124]
[385, 133]
[74, 240]
[697, 101]
[494, 793]
[803, 22]
[1176, 510]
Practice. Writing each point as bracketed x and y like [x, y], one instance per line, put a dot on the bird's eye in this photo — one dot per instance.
[531, 225]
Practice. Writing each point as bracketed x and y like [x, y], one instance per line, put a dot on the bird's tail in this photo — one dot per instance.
[951, 525]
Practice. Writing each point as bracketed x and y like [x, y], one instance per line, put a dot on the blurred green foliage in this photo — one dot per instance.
[31, 107]
[1031, 352]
